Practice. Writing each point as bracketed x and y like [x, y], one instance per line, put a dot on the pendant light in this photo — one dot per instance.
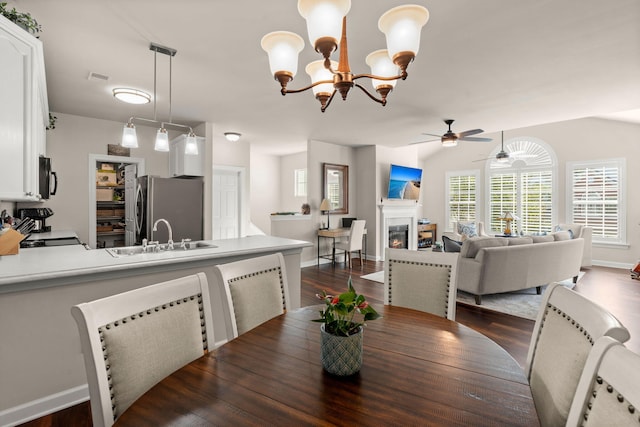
[129, 137]
[191, 146]
[162, 139]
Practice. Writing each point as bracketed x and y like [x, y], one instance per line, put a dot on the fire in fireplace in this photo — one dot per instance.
[399, 236]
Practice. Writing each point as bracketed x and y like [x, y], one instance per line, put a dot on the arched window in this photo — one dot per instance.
[523, 185]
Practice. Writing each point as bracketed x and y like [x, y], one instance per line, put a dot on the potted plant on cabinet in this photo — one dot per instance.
[24, 20]
[341, 332]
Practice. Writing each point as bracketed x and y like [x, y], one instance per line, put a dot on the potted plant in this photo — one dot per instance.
[341, 331]
[24, 20]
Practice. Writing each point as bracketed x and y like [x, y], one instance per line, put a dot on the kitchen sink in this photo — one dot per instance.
[136, 250]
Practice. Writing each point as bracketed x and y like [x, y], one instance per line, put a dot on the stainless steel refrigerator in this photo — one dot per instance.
[177, 200]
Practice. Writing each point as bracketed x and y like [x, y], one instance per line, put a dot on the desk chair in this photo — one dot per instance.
[608, 392]
[566, 328]
[256, 290]
[133, 340]
[353, 244]
[421, 280]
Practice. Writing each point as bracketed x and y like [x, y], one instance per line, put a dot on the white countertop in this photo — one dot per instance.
[50, 263]
[56, 234]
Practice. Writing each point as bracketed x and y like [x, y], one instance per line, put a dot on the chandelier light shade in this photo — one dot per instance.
[327, 28]
[162, 140]
[129, 137]
[283, 48]
[191, 145]
[232, 136]
[131, 96]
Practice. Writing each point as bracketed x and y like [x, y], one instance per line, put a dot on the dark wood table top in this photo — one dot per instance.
[418, 369]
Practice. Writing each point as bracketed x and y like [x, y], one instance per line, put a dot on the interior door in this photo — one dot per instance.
[226, 204]
[130, 175]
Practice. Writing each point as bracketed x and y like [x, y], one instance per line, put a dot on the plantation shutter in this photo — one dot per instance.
[535, 202]
[503, 197]
[596, 200]
[462, 198]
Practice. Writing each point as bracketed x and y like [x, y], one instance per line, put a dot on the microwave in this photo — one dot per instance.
[46, 179]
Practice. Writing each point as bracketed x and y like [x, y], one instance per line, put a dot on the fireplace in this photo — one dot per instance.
[399, 236]
[393, 215]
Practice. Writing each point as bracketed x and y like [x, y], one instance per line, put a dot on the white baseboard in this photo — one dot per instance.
[44, 406]
[612, 264]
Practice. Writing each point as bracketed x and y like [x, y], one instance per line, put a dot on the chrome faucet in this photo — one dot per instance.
[155, 228]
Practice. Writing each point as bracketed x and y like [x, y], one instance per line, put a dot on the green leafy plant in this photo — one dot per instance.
[339, 314]
[25, 20]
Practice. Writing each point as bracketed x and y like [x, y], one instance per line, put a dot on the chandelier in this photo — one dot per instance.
[326, 24]
[129, 137]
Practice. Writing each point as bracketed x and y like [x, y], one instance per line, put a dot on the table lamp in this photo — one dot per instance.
[326, 206]
[507, 217]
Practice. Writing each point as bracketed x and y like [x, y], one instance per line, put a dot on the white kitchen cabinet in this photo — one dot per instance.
[24, 112]
[185, 164]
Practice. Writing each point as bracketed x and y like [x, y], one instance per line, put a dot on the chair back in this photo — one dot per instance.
[566, 328]
[256, 291]
[421, 280]
[355, 234]
[608, 392]
[133, 340]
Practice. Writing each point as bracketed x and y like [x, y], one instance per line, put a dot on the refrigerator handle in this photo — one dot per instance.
[138, 215]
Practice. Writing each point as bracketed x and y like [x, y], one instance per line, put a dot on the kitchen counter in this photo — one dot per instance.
[41, 366]
[35, 268]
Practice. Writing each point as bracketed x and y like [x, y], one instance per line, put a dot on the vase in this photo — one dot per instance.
[341, 355]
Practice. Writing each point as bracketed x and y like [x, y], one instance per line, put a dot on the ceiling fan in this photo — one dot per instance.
[502, 156]
[450, 139]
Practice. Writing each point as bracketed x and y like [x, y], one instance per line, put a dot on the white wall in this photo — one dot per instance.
[265, 189]
[574, 140]
[288, 164]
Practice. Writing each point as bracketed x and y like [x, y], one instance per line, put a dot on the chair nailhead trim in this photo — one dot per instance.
[140, 315]
[609, 389]
[257, 273]
[448, 267]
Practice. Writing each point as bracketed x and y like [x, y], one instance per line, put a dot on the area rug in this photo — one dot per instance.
[524, 303]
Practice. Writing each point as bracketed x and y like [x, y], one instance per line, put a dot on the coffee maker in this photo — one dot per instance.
[39, 215]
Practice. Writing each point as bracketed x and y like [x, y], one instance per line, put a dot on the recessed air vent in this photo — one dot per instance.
[97, 76]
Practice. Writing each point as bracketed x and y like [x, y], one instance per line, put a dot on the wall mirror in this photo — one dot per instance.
[335, 187]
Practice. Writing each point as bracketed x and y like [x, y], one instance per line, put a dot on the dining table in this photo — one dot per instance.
[418, 369]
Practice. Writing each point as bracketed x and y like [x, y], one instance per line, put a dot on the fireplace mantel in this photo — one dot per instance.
[398, 214]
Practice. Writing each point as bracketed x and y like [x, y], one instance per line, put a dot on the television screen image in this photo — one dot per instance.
[404, 183]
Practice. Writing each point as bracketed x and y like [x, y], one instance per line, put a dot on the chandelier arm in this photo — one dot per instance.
[324, 107]
[378, 100]
[373, 76]
[285, 90]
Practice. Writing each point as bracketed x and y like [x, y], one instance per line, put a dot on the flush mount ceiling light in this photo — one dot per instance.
[326, 24]
[232, 136]
[129, 137]
[131, 96]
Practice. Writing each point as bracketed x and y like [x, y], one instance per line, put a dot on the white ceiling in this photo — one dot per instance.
[491, 64]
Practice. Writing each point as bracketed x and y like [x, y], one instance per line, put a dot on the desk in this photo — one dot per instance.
[333, 233]
[417, 369]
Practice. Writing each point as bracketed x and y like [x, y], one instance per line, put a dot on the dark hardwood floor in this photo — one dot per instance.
[612, 288]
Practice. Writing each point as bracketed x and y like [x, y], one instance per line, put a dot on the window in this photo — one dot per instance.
[300, 183]
[523, 186]
[596, 196]
[462, 196]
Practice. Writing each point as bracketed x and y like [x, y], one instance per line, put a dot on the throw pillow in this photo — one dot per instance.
[542, 239]
[468, 228]
[562, 235]
[451, 245]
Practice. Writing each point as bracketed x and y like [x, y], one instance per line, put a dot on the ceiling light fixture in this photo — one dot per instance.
[131, 96]
[326, 24]
[232, 136]
[129, 137]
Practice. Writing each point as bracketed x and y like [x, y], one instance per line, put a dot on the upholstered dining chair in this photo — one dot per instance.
[608, 392]
[565, 330]
[353, 244]
[132, 340]
[421, 280]
[256, 291]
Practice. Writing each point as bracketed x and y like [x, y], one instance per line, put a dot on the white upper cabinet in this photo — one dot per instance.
[24, 112]
[182, 164]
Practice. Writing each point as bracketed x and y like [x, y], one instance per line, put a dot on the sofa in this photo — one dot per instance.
[580, 231]
[490, 265]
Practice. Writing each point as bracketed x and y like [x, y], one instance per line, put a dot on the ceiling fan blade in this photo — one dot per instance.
[482, 160]
[431, 134]
[469, 133]
[475, 139]
[422, 142]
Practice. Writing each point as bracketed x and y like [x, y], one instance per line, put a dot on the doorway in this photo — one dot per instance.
[228, 202]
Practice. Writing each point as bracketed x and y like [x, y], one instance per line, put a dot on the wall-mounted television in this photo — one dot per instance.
[404, 183]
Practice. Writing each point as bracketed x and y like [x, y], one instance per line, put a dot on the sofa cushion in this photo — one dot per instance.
[562, 235]
[542, 239]
[467, 228]
[575, 229]
[471, 246]
[520, 241]
[451, 245]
